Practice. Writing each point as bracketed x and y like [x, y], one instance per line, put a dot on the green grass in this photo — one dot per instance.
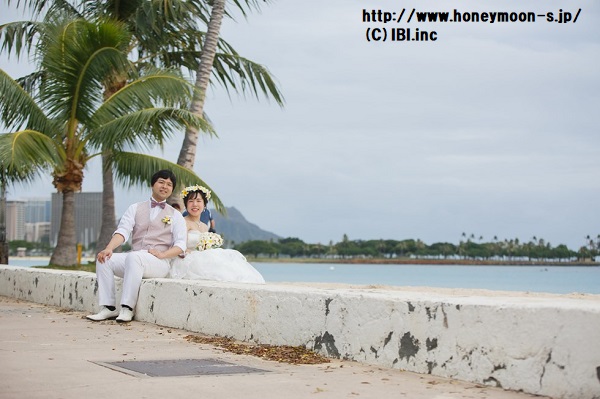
[85, 267]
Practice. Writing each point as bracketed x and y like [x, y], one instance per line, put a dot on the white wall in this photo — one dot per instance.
[546, 345]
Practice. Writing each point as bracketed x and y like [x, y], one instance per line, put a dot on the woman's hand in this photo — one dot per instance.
[168, 254]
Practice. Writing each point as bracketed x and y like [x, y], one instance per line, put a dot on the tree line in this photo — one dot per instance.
[468, 248]
[508, 249]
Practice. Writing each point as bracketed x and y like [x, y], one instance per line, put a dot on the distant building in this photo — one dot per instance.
[37, 210]
[15, 220]
[28, 220]
[38, 232]
[88, 217]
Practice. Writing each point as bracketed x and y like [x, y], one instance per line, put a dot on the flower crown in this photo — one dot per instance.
[189, 189]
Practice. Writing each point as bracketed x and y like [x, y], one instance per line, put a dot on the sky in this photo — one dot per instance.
[492, 130]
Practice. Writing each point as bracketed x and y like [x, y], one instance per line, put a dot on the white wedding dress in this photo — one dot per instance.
[213, 264]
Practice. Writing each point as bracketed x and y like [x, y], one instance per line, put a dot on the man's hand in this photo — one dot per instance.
[116, 240]
[104, 255]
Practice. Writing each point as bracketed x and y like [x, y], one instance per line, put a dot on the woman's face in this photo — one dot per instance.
[195, 204]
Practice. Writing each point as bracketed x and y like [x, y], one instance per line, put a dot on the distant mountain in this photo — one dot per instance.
[234, 227]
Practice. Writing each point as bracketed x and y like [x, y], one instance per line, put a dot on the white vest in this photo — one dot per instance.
[149, 234]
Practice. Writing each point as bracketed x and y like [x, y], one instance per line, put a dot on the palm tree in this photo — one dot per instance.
[187, 155]
[165, 33]
[61, 124]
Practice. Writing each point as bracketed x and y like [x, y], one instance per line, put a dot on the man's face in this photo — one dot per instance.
[162, 189]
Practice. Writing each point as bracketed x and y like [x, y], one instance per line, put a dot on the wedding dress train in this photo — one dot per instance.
[214, 264]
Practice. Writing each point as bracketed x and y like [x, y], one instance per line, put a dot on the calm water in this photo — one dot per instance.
[553, 279]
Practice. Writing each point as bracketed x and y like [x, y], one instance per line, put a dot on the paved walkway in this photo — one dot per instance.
[47, 352]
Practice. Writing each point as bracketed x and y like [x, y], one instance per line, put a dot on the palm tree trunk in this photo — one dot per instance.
[187, 155]
[3, 242]
[108, 226]
[108, 204]
[65, 253]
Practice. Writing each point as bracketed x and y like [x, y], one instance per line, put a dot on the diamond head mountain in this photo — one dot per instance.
[234, 227]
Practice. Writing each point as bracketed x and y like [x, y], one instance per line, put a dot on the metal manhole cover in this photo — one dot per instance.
[179, 367]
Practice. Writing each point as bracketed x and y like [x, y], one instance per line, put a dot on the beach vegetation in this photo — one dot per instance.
[416, 251]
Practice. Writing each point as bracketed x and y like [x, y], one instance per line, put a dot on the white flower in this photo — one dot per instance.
[167, 220]
[186, 191]
[209, 240]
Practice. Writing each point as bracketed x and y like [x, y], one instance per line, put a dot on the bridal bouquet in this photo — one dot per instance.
[209, 240]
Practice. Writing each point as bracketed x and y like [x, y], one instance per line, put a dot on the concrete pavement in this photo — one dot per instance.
[48, 352]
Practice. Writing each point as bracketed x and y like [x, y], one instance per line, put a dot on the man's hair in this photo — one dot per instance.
[164, 174]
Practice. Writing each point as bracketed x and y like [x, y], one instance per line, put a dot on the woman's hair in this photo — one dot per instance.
[194, 194]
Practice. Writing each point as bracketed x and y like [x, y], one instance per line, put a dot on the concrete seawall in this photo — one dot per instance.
[539, 344]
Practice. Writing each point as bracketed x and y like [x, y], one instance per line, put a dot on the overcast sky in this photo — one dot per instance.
[491, 130]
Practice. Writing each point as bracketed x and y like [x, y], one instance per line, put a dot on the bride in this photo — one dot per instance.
[202, 261]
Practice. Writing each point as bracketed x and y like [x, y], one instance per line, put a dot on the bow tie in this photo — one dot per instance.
[159, 204]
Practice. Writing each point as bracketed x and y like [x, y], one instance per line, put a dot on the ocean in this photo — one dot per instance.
[548, 279]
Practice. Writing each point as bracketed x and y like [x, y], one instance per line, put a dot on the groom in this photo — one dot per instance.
[158, 233]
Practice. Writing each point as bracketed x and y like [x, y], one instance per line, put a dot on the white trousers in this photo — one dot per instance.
[133, 267]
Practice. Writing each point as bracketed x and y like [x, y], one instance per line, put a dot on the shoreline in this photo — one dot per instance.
[83, 258]
[410, 261]
[381, 261]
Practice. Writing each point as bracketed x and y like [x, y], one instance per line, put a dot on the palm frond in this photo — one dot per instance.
[31, 82]
[228, 62]
[230, 70]
[18, 37]
[78, 56]
[37, 7]
[21, 36]
[137, 169]
[115, 9]
[155, 125]
[248, 5]
[18, 108]
[170, 16]
[26, 154]
[157, 88]
[251, 76]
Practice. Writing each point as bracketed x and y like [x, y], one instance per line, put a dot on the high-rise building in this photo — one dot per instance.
[37, 210]
[15, 220]
[38, 232]
[88, 217]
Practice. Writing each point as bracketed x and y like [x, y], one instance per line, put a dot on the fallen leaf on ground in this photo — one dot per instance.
[279, 353]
